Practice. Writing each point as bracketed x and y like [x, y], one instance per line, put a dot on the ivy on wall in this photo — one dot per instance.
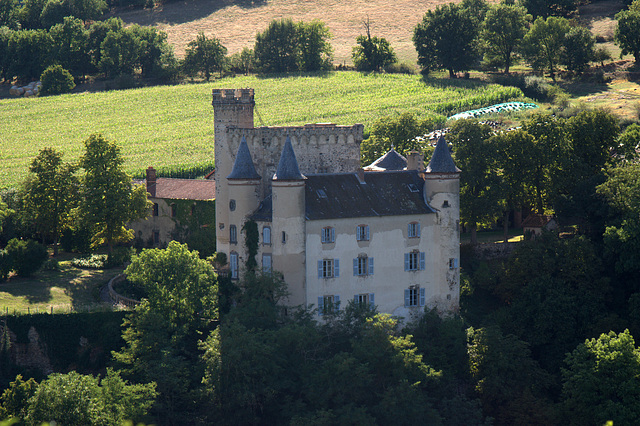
[195, 225]
[251, 236]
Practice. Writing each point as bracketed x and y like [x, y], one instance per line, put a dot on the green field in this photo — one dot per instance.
[166, 126]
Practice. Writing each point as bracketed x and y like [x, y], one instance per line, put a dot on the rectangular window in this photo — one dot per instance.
[364, 299]
[414, 296]
[284, 237]
[414, 230]
[233, 265]
[174, 210]
[233, 234]
[328, 268]
[328, 304]
[156, 209]
[453, 263]
[266, 235]
[266, 262]
[363, 265]
[328, 234]
[362, 233]
[414, 261]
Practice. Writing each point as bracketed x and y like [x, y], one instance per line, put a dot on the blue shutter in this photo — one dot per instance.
[336, 302]
[422, 297]
[371, 302]
[355, 267]
[406, 261]
[319, 268]
[406, 297]
[336, 268]
[417, 229]
[422, 261]
[356, 298]
[367, 232]
[320, 305]
[409, 230]
[455, 263]
[371, 266]
[333, 234]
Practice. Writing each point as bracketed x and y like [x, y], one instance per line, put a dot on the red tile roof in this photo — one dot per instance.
[184, 189]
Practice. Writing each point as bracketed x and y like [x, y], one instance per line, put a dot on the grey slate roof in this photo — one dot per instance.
[337, 196]
[389, 161]
[288, 166]
[441, 161]
[243, 167]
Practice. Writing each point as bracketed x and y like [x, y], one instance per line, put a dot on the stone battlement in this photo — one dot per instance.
[232, 96]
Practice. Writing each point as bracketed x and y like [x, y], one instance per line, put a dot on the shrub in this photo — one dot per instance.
[5, 265]
[26, 257]
[94, 261]
[119, 256]
[400, 68]
[56, 80]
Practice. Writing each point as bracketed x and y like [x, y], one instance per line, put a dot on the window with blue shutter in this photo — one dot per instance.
[266, 235]
[328, 268]
[320, 305]
[406, 261]
[336, 268]
[266, 262]
[371, 266]
[413, 296]
[414, 261]
[356, 262]
[233, 265]
[407, 297]
[413, 230]
[362, 233]
[422, 261]
[320, 269]
[422, 297]
[336, 302]
[371, 301]
[328, 235]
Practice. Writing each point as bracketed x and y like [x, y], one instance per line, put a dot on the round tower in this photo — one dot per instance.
[442, 193]
[231, 108]
[242, 184]
[288, 223]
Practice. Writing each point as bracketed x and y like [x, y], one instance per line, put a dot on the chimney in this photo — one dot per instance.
[360, 176]
[415, 161]
[151, 181]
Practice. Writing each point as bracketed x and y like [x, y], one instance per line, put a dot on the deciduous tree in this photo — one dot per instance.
[579, 49]
[542, 45]
[110, 199]
[205, 55]
[316, 52]
[372, 53]
[502, 31]
[445, 38]
[51, 194]
[627, 34]
[276, 48]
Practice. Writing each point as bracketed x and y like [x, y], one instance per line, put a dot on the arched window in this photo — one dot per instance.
[266, 235]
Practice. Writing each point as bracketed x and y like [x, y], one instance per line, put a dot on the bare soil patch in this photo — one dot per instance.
[236, 23]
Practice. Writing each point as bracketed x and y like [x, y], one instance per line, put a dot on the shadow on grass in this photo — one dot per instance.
[67, 286]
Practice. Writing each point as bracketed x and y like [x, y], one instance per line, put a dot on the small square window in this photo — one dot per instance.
[328, 235]
[453, 263]
[362, 233]
[445, 204]
[414, 230]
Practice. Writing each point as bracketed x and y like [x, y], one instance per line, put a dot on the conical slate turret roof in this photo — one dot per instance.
[441, 161]
[243, 167]
[389, 161]
[288, 166]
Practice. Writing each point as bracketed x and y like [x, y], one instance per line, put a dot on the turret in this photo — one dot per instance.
[288, 222]
[442, 192]
[243, 184]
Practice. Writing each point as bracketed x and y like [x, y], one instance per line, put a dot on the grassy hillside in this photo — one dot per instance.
[173, 125]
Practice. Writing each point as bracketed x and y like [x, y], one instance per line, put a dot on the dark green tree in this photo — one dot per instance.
[627, 34]
[276, 49]
[579, 49]
[97, 33]
[542, 45]
[120, 52]
[25, 256]
[546, 8]
[601, 381]
[481, 197]
[29, 51]
[56, 80]
[51, 194]
[316, 52]
[154, 53]
[54, 12]
[502, 32]
[372, 53]
[9, 14]
[70, 46]
[162, 334]
[205, 55]
[110, 200]
[15, 398]
[446, 38]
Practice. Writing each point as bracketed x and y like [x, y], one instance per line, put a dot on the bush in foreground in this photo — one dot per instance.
[56, 80]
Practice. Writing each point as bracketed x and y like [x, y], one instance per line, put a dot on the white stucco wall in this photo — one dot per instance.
[387, 245]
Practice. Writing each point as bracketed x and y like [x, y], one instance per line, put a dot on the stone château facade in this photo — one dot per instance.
[388, 237]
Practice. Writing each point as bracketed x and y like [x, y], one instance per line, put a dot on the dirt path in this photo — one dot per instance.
[236, 23]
